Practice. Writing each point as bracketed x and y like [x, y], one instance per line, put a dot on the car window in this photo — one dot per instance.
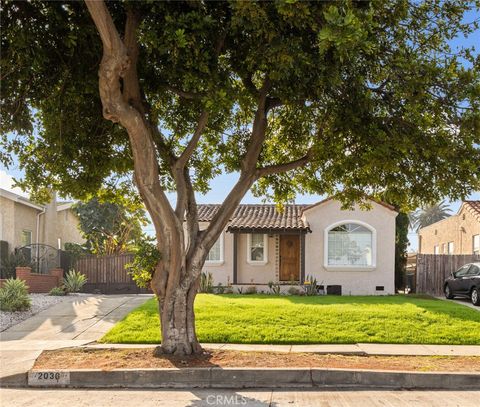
[462, 271]
[474, 271]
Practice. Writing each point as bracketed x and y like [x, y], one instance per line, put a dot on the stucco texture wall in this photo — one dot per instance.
[68, 228]
[25, 218]
[458, 229]
[353, 282]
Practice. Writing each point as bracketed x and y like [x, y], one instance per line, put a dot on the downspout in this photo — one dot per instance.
[38, 225]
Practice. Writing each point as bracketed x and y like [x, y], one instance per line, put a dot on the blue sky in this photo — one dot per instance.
[222, 184]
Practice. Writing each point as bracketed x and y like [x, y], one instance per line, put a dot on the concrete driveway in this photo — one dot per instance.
[462, 301]
[77, 321]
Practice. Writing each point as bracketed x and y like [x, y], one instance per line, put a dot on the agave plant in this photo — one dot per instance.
[74, 281]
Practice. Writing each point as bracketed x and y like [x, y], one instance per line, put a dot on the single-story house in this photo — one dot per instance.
[348, 252]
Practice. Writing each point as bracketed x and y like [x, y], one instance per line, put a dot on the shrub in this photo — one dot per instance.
[13, 260]
[295, 291]
[219, 289]
[73, 281]
[274, 288]
[144, 263]
[251, 290]
[14, 296]
[240, 290]
[206, 283]
[57, 291]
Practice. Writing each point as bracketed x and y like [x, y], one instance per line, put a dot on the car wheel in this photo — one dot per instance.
[475, 296]
[448, 292]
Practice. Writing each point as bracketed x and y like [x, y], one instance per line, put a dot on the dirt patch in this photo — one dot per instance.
[108, 359]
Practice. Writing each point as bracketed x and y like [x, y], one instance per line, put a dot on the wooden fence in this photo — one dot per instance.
[107, 274]
[433, 269]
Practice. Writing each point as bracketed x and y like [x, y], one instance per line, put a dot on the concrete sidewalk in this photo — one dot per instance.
[370, 349]
[77, 321]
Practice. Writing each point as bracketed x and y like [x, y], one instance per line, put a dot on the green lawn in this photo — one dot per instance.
[325, 319]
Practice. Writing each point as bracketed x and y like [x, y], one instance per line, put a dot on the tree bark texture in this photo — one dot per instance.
[183, 247]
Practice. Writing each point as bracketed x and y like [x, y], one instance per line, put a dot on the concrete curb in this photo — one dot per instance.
[235, 378]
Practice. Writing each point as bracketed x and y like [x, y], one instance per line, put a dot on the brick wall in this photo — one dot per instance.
[39, 283]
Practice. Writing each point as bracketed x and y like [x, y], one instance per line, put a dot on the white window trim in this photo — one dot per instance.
[265, 250]
[331, 267]
[222, 257]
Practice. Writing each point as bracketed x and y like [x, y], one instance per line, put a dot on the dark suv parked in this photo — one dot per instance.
[465, 282]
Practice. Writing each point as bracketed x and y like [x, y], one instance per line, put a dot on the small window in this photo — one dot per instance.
[476, 244]
[257, 248]
[380, 288]
[436, 249]
[450, 247]
[26, 238]
[215, 255]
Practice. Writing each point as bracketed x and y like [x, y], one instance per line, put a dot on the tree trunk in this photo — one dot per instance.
[177, 316]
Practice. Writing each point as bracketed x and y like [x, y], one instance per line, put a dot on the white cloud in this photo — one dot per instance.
[6, 182]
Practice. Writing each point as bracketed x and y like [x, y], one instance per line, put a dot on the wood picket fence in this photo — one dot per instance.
[108, 274]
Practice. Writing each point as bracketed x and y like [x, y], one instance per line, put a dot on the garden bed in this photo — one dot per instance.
[107, 359]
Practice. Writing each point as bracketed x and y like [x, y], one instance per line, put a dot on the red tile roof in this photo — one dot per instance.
[473, 207]
[259, 217]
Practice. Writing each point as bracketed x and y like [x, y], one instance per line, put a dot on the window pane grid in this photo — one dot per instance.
[257, 247]
[350, 245]
[215, 252]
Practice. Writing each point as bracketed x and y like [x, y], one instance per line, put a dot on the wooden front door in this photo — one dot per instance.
[289, 258]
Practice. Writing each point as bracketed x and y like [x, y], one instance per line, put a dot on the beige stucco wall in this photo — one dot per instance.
[249, 273]
[16, 217]
[353, 282]
[458, 229]
[222, 272]
[25, 219]
[7, 220]
[68, 228]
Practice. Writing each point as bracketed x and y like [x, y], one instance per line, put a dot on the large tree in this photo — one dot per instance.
[339, 98]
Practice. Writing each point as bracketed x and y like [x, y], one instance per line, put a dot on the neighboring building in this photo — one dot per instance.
[23, 222]
[457, 234]
[351, 252]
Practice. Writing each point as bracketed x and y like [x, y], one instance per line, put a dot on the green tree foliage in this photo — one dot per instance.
[143, 265]
[373, 87]
[429, 214]
[111, 227]
[402, 223]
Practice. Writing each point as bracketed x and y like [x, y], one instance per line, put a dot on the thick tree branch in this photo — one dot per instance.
[275, 169]
[131, 86]
[192, 144]
[247, 174]
[115, 63]
[185, 94]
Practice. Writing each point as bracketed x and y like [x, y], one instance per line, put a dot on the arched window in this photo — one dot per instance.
[350, 244]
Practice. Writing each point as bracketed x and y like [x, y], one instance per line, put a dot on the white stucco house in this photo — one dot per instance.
[349, 252]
